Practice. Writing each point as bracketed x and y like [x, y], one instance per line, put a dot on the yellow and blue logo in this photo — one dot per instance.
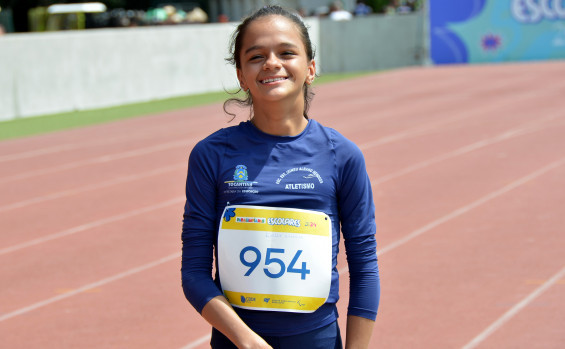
[240, 173]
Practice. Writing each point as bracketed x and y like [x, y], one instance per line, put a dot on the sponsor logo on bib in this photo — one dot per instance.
[277, 259]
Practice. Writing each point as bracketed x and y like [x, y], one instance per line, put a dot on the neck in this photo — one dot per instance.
[278, 120]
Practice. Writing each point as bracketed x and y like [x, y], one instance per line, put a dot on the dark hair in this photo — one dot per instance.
[237, 41]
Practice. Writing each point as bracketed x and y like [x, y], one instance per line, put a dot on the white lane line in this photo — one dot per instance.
[433, 126]
[129, 137]
[514, 310]
[90, 286]
[64, 193]
[91, 225]
[409, 133]
[516, 132]
[100, 159]
[464, 209]
[198, 342]
[34, 153]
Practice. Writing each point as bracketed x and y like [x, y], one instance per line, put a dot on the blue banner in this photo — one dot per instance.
[475, 31]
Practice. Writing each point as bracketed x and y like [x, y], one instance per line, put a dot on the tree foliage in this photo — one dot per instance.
[379, 6]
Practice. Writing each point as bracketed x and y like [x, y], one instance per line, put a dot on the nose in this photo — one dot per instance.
[272, 62]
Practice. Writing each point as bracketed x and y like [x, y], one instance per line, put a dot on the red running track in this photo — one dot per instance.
[468, 171]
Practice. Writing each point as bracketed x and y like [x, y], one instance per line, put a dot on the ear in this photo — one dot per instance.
[311, 74]
[241, 80]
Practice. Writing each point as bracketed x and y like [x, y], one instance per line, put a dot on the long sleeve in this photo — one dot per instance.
[357, 216]
[199, 228]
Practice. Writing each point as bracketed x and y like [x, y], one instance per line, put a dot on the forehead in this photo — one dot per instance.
[273, 27]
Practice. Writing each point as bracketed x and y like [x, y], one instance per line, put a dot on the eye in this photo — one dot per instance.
[255, 58]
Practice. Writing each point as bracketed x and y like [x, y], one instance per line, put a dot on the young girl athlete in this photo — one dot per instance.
[267, 199]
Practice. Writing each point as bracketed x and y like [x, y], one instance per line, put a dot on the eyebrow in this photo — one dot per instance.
[258, 47]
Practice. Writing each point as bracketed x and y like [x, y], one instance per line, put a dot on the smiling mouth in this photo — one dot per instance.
[266, 81]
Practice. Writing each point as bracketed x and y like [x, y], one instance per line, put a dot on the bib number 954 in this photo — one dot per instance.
[254, 259]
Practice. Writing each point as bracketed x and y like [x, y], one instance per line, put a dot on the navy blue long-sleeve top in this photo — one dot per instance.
[319, 170]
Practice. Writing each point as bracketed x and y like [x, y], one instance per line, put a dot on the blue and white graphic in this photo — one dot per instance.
[240, 173]
[475, 31]
[240, 183]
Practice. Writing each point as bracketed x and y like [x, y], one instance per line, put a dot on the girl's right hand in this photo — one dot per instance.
[220, 314]
[255, 343]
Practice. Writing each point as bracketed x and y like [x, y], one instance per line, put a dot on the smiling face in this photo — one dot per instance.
[274, 64]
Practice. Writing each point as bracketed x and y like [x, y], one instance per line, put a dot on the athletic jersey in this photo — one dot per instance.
[317, 170]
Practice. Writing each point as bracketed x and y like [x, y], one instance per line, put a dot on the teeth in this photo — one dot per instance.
[273, 80]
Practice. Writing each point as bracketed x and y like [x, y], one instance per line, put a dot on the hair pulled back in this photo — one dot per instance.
[236, 42]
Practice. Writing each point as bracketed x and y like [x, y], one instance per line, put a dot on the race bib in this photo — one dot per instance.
[276, 259]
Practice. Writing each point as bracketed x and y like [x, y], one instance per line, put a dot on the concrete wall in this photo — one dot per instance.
[65, 71]
[372, 43]
[237, 9]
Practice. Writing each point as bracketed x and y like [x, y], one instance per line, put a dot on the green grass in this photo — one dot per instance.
[48, 123]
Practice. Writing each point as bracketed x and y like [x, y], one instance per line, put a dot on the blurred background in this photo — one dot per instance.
[62, 56]
[59, 56]
[33, 15]
[461, 130]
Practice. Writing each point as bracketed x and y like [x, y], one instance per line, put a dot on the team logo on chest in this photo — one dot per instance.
[300, 178]
[240, 182]
[240, 173]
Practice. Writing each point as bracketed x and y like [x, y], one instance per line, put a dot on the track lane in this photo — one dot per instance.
[457, 169]
[444, 283]
[502, 154]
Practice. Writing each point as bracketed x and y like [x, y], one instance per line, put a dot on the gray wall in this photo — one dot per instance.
[65, 71]
[371, 43]
[237, 9]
